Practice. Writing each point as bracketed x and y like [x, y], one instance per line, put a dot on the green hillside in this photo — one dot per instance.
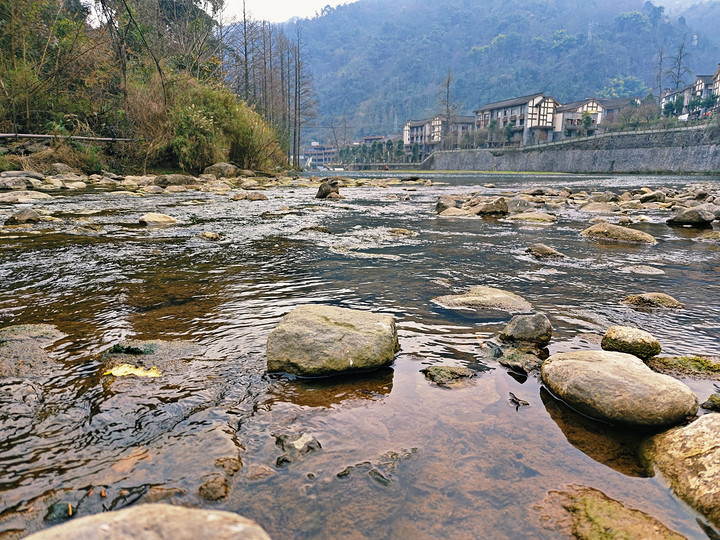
[377, 63]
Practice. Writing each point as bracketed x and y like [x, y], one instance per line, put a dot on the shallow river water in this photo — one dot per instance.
[415, 460]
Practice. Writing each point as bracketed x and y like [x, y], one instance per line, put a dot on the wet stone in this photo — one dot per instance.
[652, 300]
[215, 488]
[616, 233]
[541, 251]
[295, 447]
[535, 329]
[23, 349]
[164, 521]
[482, 297]
[630, 340]
[448, 376]
[586, 513]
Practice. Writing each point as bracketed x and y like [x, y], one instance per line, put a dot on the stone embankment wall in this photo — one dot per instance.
[682, 150]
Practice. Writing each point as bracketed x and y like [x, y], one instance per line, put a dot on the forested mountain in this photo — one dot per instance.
[378, 63]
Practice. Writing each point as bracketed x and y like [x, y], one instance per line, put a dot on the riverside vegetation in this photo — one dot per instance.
[176, 78]
[146, 329]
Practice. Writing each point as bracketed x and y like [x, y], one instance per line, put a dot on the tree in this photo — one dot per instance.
[679, 66]
[587, 121]
[449, 110]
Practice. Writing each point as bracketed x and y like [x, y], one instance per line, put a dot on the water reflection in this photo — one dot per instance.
[615, 447]
[330, 392]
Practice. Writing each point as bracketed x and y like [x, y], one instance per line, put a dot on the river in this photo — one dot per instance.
[415, 460]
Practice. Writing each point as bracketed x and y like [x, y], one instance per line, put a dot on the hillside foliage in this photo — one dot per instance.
[378, 63]
[150, 70]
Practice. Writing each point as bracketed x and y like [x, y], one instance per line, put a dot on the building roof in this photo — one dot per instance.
[618, 103]
[705, 79]
[575, 105]
[508, 102]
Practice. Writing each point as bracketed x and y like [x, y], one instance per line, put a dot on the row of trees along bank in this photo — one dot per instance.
[191, 86]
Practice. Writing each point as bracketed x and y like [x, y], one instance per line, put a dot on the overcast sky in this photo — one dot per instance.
[279, 10]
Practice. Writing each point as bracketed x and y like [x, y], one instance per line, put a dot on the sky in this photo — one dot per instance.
[279, 10]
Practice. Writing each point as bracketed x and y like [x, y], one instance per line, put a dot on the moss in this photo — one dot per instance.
[597, 517]
[713, 403]
[130, 349]
[687, 365]
[447, 375]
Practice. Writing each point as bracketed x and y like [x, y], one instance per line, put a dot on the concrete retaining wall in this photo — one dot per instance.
[683, 150]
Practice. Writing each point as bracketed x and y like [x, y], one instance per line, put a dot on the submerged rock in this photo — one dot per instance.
[153, 218]
[23, 349]
[616, 233]
[316, 341]
[535, 329]
[698, 367]
[448, 376]
[588, 514]
[618, 388]
[154, 521]
[689, 458]
[295, 447]
[481, 297]
[541, 251]
[652, 300]
[630, 340]
[643, 270]
[534, 217]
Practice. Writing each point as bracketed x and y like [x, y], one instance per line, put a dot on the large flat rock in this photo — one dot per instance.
[481, 297]
[318, 341]
[618, 388]
[154, 522]
[616, 233]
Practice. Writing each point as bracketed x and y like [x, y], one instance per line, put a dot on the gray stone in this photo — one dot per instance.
[537, 217]
[481, 297]
[222, 170]
[618, 388]
[616, 233]
[541, 251]
[600, 207]
[58, 168]
[494, 207]
[153, 218]
[154, 522]
[24, 216]
[165, 180]
[655, 196]
[652, 300]
[315, 341]
[23, 174]
[630, 340]
[15, 182]
[328, 186]
[444, 203]
[693, 217]
[689, 458]
[535, 329]
[448, 376]
[256, 196]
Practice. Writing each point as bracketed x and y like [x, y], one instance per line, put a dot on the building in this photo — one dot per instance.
[319, 155]
[526, 120]
[435, 133]
[716, 82]
[570, 118]
[673, 96]
[702, 87]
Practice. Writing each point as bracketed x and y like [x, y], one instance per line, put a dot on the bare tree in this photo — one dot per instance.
[679, 65]
[449, 110]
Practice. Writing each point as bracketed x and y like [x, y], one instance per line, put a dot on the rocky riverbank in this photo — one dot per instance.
[618, 375]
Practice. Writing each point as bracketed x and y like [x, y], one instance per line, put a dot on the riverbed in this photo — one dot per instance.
[399, 457]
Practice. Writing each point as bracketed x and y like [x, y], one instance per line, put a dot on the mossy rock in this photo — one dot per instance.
[652, 300]
[591, 514]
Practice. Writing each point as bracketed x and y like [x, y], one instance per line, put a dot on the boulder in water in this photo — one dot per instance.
[317, 341]
[618, 388]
